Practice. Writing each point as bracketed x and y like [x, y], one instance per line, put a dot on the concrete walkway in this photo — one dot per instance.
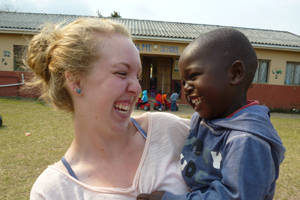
[183, 110]
[186, 110]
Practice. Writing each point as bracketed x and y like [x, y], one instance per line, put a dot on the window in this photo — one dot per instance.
[292, 73]
[19, 51]
[176, 65]
[261, 75]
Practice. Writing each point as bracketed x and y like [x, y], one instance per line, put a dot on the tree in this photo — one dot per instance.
[6, 6]
[99, 14]
[115, 14]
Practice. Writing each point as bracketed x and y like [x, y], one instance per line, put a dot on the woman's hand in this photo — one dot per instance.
[153, 196]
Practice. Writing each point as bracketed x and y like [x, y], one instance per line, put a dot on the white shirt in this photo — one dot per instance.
[159, 167]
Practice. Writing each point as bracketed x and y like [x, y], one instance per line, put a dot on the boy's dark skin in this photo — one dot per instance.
[212, 68]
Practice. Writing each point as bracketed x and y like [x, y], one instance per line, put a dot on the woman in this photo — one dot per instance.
[91, 68]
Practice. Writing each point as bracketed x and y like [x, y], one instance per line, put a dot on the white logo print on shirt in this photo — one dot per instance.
[217, 158]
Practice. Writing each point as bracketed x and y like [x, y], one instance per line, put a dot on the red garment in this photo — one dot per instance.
[158, 98]
[249, 103]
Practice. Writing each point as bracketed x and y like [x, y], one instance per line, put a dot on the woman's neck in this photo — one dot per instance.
[101, 140]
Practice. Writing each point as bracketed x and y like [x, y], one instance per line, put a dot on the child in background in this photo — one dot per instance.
[173, 99]
[153, 91]
[164, 102]
[158, 99]
[233, 150]
[144, 99]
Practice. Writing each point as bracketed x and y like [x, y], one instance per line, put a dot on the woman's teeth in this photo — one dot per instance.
[123, 109]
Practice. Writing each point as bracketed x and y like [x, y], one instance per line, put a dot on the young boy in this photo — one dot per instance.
[232, 151]
[173, 99]
[164, 102]
[158, 98]
[144, 99]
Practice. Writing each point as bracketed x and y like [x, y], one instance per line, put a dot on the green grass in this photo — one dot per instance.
[288, 184]
[23, 158]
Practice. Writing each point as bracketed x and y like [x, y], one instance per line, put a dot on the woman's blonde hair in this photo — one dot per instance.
[73, 48]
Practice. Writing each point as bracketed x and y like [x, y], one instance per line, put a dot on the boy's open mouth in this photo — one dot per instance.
[195, 100]
[122, 107]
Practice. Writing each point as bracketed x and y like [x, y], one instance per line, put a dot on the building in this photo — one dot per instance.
[276, 84]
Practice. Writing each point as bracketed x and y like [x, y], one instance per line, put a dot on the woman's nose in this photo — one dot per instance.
[134, 87]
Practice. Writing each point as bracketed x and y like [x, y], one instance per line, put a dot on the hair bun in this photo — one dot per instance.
[40, 50]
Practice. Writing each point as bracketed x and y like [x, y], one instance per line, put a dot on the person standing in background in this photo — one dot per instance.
[173, 99]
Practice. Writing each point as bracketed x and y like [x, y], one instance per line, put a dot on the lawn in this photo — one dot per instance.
[23, 158]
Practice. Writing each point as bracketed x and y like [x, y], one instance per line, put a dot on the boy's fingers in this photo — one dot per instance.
[143, 197]
[157, 195]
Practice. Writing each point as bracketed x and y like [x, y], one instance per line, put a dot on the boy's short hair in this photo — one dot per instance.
[227, 45]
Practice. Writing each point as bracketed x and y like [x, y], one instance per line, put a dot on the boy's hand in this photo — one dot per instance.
[153, 196]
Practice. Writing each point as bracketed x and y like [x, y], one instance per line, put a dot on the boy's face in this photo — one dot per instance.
[206, 85]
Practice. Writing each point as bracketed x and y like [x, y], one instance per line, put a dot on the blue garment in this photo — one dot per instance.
[145, 97]
[173, 105]
[159, 103]
[174, 96]
[231, 158]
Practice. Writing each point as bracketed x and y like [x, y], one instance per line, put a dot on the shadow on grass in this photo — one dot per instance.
[3, 127]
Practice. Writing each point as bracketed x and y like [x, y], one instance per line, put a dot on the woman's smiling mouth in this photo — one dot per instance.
[122, 107]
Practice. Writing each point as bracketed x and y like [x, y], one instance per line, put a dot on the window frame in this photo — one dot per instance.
[293, 75]
[19, 53]
[259, 61]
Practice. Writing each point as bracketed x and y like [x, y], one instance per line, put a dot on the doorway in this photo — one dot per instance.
[157, 71]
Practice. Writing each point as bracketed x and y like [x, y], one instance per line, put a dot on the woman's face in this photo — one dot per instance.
[112, 87]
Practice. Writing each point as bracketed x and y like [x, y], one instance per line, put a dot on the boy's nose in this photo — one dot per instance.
[187, 88]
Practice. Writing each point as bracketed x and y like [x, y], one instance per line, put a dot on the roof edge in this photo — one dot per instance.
[274, 47]
[158, 39]
[162, 39]
[19, 31]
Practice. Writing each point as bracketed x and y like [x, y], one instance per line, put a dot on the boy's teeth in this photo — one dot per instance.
[196, 101]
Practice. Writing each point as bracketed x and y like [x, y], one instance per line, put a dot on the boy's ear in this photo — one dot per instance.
[73, 81]
[237, 70]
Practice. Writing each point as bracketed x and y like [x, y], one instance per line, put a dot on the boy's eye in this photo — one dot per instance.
[194, 76]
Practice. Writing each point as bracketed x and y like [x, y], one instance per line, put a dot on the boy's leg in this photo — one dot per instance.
[138, 105]
[172, 105]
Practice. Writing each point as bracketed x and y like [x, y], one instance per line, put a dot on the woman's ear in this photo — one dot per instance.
[74, 83]
[237, 70]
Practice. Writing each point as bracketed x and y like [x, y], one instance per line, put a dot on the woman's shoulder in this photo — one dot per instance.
[50, 184]
[168, 119]
[44, 183]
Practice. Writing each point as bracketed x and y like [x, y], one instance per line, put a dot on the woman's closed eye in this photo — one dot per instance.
[122, 74]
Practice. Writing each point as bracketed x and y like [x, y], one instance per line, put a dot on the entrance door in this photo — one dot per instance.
[164, 75]
[146, 73]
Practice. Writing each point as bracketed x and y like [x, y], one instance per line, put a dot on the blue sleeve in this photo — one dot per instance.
[248, 172]
[143, 98]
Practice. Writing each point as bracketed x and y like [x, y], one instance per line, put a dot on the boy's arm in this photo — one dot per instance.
[248, 172]
[153, 196]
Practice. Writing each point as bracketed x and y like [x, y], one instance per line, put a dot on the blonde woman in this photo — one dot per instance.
[91, 69]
